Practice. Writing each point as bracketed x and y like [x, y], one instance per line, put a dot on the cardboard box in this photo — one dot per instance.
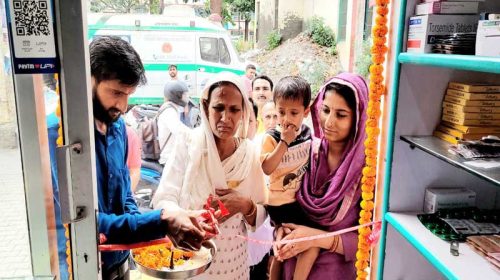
[447, 198]
[470, 109]
[462, 121]
[423, 30]
[463, 135]
[447, 8]
[470, 116]
[488, 38]
[472, 103]
[473, 95]
[474, 87]
[446, 137]
[472, 129]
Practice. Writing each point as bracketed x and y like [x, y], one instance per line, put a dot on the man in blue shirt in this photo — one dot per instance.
[116, 71]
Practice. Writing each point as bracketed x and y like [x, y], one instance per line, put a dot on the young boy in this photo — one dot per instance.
[285, 156]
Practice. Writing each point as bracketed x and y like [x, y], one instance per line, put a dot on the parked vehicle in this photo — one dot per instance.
[197, 46]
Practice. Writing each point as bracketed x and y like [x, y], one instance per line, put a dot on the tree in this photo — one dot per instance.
[155, 7]
[216, 7]
[116, 6]
[225, 10]
[245, 8]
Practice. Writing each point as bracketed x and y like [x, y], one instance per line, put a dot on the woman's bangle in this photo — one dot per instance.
[252, 212]
[335, 244]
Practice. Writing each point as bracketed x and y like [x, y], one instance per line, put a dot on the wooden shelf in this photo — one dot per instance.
[468, 265]
[439, 148]
[454, 61]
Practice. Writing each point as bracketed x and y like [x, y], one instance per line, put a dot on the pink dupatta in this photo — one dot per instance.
[327, 196]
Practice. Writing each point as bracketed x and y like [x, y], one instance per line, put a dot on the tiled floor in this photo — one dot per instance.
[14, 242]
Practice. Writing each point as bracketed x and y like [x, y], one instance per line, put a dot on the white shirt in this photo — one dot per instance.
[169, 123]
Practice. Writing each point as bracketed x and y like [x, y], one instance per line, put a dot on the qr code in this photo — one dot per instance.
[31, 17]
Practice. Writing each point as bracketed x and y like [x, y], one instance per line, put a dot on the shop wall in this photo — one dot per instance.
[291, 18]
[265, 15]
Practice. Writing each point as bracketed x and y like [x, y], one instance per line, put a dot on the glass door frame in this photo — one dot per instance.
[76, 158]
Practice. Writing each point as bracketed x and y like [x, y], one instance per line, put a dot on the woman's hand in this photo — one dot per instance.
[183, 228]
[280, 233]
[293, 249]
[234, 202]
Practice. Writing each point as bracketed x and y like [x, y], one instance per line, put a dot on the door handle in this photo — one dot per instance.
[69, 212]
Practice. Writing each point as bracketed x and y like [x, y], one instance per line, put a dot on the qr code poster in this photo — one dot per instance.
[32, 28]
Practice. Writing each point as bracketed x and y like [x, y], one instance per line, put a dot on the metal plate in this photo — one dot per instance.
[184, 274]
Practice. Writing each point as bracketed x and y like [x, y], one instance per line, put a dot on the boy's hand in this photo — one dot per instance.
[289, 133]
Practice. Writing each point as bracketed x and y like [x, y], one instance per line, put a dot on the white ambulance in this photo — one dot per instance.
[197, 46]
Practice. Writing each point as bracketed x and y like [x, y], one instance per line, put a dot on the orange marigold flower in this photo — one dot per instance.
[371, 143]
[368, 171]
[364, 230]
[369, 181]
[374, 96]
[363, 256]
[362, 274]
[367, 195]
[361, 264]
[381, 10]
[373, 131]
[379, 41]
[365, 214]
[376, 86]
[379, 49]
[378, 58]
[367, 187]
[372, 162]
[372, 123]
[377, 78]
[376, 69]
[380, 20]
[374, 104]
[370, 152]
[380, 30]
[382, 2]
[363, 221]
[367, 205]
[374, 112]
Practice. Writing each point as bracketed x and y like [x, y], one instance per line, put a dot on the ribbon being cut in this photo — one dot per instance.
[209, 218]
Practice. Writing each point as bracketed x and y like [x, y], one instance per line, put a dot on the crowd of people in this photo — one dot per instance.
[280, 178]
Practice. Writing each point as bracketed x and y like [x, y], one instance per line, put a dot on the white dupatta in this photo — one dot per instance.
[205, 171]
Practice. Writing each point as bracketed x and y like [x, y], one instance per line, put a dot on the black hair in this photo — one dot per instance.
[348, 94]
[250, 66]
[263, 77]
[172, 66]
[293, 88]
[114, 58]
[254, 106]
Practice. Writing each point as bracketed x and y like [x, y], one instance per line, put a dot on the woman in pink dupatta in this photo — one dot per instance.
[330, 191]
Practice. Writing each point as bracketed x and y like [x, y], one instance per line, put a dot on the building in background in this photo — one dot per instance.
[351, 21]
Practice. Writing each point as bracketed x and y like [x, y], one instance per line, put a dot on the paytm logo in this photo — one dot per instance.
[30, 66]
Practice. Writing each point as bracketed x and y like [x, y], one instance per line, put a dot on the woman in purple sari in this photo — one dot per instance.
[330, 191]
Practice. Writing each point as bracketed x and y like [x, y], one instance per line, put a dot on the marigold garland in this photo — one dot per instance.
[376, 90]
[59, 143]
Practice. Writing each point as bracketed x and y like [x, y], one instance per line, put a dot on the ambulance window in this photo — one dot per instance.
[209, 49]
[225, 58]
